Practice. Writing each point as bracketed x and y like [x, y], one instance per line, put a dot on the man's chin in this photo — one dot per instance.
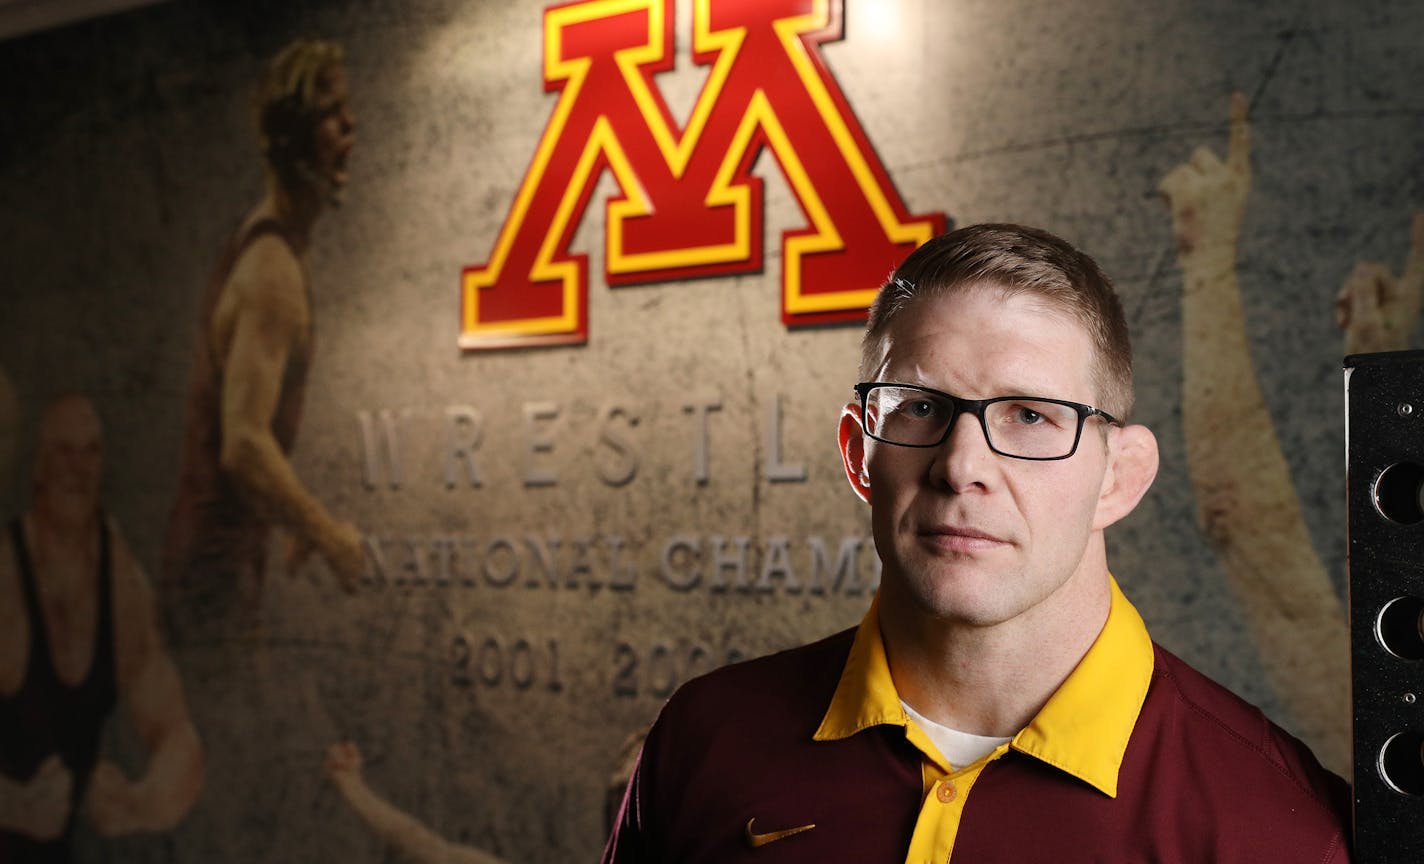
[938, 575]
[955, 607]
[327, 185]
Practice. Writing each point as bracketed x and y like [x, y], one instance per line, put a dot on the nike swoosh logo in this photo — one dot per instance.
[772, 836]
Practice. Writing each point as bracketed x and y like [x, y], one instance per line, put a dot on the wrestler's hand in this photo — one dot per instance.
[343, 767]
[345, 553]
[1207, 196]
[1377, 311]
[109, 803]
[45, 801]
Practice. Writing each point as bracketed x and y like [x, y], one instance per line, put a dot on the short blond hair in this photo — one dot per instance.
[1013, 259]
[286, 103]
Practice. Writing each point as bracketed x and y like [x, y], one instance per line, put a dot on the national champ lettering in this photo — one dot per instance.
[684, 563]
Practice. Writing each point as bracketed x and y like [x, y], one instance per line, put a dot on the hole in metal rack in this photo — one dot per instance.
[1400, 628]
[1399, 493]
[1401, 763]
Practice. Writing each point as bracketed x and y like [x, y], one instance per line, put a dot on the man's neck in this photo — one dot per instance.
[296, 207]
[992, 680]
[59, 541]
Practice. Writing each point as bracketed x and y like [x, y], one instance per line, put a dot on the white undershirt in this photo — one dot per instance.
[960, 748]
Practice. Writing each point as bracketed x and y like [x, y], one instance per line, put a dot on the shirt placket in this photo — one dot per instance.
[942, 810]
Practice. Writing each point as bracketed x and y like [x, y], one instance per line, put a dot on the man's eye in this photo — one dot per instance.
[1027, 416]
[922, 408]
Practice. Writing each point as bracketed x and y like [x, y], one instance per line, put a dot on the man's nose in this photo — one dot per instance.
[964, 456]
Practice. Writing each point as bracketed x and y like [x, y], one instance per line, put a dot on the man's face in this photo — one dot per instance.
[964, 533]
[334, 134]
[70, 461]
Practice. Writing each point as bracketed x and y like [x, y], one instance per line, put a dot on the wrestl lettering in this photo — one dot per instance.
[689, 206]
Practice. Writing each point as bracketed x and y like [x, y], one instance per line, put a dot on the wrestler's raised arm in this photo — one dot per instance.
[1246, 501]
[403, 833]
[149, 687]
[262, 317]
[1378, 311]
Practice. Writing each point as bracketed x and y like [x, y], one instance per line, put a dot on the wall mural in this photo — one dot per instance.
[308, 578]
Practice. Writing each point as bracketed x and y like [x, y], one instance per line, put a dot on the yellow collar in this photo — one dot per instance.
[1082, 729]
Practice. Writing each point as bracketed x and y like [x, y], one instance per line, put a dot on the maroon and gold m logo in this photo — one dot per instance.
[689, 206]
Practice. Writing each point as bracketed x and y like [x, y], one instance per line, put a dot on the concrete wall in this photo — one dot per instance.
[495, 713]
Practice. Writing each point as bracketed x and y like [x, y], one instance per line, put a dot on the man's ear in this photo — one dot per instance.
[1132, 465]
[852, 441]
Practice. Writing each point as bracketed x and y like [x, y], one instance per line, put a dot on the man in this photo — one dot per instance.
[254, 348]
[1001, 700]
[78, 633]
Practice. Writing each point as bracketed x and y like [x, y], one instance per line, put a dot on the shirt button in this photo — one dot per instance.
[946, 792]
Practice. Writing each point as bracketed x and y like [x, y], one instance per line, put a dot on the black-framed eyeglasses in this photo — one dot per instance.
[1021, 427]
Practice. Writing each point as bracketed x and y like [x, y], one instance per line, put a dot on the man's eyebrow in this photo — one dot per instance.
[997, 392]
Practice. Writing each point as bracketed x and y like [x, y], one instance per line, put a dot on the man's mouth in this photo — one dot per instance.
[960, 538]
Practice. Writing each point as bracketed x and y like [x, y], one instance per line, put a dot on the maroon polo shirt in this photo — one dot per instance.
[738, 765]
